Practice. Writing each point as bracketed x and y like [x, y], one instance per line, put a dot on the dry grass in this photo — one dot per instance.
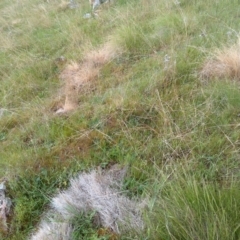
[78, 77]
[225, 63]
[5, 204]
[97, 192]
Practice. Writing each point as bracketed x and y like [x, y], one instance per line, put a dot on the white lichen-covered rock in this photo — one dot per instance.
[91, 192]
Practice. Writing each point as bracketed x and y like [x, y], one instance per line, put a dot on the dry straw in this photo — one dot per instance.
[5, 205]
[97, 192]
[224, 63]
[78, 77]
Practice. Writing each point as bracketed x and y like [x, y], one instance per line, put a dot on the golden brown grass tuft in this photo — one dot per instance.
[78, 77]
[225, 63]
[63, 5]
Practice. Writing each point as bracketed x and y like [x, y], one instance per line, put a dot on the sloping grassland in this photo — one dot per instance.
[167, 105]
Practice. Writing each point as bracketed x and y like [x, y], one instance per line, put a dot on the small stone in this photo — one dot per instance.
[2, 186]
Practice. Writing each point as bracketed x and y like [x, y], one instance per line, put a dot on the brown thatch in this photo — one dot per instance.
[78, 77]
[224, 63]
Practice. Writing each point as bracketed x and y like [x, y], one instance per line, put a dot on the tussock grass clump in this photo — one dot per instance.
[189, 208]
[96, 193]
[225, 63]
[78, 77]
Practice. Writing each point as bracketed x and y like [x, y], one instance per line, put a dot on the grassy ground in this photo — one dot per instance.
[150, 108]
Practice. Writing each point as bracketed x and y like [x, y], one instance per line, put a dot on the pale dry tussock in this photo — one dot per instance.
[5, 205]
[63, 5]
[78, 77]
[224, 63]
[53, 230]
[94, 192]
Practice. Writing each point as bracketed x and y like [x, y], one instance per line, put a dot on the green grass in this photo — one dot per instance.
[149, 109]
[189, 208]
